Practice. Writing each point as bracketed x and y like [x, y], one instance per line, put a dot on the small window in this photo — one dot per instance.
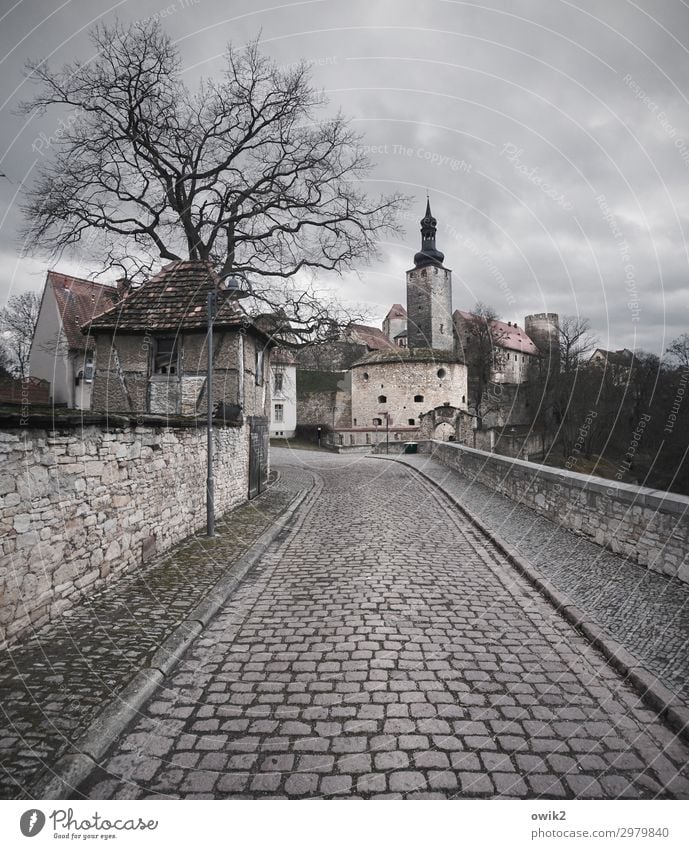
[279, 412]
[382, 399]
[464, 399]
[259, 366]
[411, 421]
[377, 421]
[441, 373]
[418, 399]
[166, 355]
[88, 370]
[354, 422]
[365, 375]
[278, 381]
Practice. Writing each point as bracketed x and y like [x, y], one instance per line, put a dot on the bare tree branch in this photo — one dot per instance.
[242, 171]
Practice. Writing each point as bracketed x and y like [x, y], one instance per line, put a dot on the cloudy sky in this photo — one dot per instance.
[552, 137]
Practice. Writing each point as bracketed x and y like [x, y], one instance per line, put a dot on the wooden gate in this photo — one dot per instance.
[258, 454]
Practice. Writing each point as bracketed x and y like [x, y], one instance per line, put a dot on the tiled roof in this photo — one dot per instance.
[397, 311]
[507, 336]
[372, 337]
[174, 299]
[625, 357]
[77, 302]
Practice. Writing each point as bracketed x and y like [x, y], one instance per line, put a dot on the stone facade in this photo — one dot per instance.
[124, 382]
[83, 505]
[324, 398]
[410, 384]
[429, 308]
[647, 526]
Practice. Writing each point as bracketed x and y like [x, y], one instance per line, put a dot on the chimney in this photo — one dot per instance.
[124, 284]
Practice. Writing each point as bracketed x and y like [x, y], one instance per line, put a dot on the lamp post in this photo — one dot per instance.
[231, 291]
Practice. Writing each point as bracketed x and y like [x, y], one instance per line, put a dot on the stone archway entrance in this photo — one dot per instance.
[444, 431]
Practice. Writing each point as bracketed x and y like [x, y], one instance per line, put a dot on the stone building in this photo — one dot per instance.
[514, 354]
[283, 379]
[60, 353]
[150, 349]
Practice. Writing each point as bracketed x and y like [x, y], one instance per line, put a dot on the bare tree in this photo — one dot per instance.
[242, 172]
[17, 322]
[577, 342]
[485, 354]
[679, 351]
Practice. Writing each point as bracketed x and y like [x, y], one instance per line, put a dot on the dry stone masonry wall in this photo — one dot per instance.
[80, 506]
[648, 526]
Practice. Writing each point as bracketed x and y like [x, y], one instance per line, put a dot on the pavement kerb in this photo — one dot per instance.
[653, 692]
[60, 780]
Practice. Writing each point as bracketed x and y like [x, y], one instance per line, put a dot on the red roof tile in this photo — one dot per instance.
[78, 301]
[508, 336]
[372, 337]
[173, 300]
[397, 311]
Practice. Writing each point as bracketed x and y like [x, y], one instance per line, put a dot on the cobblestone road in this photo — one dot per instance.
[384, 648]
[645, 611]
[52, 684]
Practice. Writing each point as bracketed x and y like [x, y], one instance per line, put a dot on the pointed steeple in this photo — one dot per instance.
[429, 254]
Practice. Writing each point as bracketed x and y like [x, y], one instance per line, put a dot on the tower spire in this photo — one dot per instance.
[429, 254]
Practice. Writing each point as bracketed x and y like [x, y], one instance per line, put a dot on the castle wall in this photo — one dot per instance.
[645, 525]
[400, 381]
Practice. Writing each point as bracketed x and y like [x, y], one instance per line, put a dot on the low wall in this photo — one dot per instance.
[84, 504]
[649, 526]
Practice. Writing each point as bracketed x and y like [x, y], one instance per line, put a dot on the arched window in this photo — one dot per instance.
[418, 399]
[382, 399]
[365, 375]
[441, 373]
[377, 421]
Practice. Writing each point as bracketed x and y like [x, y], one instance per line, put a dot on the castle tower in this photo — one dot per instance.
[429, 293]
[544, 329]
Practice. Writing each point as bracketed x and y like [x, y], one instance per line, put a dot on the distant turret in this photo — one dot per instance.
[544, 329]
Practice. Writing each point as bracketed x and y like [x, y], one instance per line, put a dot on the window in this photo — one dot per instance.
[411, 421]
[418, 399]
[278, 381]
[259, 367]
[354, 422]
[88, 370]
[279, 412]
[382, 399]
[377, 421]
[441, 373]
[464, 399]
[365, 375]
[166, 355]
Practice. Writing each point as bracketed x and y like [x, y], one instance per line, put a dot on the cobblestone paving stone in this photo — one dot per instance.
[384, 648]
[52, 684]
[645, 611]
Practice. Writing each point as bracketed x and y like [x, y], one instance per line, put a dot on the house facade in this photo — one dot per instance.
[60, 353]
[283, 383]
[151, 355]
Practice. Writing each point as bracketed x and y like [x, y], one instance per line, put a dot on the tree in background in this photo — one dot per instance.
[17, 321]
[679, 351]
[484, 356]
[243, 172]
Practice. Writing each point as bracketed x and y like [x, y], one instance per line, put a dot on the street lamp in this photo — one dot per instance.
[387, 431]
[232, 290]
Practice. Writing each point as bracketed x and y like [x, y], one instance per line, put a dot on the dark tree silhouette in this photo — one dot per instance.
[244, 172]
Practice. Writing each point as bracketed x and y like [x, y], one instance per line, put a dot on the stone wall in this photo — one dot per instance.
[429, 308]
[324, 398]
[81, 505]
[648, 526]
[400, 381]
